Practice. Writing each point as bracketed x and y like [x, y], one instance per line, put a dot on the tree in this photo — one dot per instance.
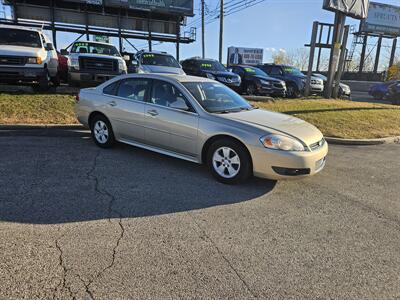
[297, 58]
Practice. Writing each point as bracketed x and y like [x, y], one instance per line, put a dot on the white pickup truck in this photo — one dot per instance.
[27, 56]
[93, 63]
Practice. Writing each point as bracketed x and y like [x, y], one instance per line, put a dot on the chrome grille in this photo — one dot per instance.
[98, 64]
[12, 60]
[317, 145]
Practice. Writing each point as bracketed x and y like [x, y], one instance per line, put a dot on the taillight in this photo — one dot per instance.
[77, 98]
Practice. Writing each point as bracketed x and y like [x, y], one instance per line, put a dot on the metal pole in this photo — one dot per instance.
[149, 30]
[393, 54]
[378, 54]
[87, 23]
[311, 59]
[221, 29]
[342, 60]
[203, 47]
[363, 51]
[53, 28]
[178, 38]
[340, 19]
[319, 49]
[119, 31]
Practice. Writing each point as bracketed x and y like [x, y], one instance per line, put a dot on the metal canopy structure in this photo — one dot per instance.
[85, 18]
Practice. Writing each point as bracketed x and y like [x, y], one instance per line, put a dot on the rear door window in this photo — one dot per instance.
[111, 89]
[134, 89]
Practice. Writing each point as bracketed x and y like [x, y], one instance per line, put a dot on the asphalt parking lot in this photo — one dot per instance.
[79, 222]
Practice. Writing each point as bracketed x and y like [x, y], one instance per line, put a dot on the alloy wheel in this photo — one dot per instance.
[226, 162]
[101, 132]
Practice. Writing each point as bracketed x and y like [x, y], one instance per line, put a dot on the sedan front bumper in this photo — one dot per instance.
[277, 164]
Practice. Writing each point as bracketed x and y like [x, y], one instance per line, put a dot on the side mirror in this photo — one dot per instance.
[126, 57]
[230, 70]
[64, 52]
[180, 104]
[49, 46]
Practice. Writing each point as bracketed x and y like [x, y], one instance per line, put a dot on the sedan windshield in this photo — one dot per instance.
[17, 37]
[216, 97]
[163, 60]
[87, 47]
[211, 65]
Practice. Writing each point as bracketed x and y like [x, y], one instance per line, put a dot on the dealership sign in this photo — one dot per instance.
[245, 56]
[354, 8]
[382, 19]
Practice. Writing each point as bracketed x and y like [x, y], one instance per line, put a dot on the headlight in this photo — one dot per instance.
[265, 82]
[121, 65]
[210, 76]
[73, 62]
[34, 60]
[281, 142]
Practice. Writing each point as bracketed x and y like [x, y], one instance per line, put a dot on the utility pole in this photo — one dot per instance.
[340, 19]
[221, 29]
[203, 47]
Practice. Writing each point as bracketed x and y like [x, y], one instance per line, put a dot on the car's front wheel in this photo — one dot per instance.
[293, 91]
[229, 161]
[102, 132]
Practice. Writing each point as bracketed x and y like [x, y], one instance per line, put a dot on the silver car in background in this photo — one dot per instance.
[202, 121]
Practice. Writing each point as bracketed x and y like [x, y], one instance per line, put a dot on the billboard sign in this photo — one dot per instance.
[184, 7]
[382, 19]
[357, 9]
[245, 56]
[101, 38]
[166, 5]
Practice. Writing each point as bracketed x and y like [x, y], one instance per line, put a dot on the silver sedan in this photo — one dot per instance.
[202, 121]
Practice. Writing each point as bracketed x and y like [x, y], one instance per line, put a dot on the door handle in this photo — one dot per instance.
[152, 112]
[112, 103]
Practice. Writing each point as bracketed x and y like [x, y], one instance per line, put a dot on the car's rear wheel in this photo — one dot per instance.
[293, 91]
[229, 161]
[251, 89]
[378, 95]
[102, 132]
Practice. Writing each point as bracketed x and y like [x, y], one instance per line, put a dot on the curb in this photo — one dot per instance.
[41, 126]
[331, 140]
[363, 142]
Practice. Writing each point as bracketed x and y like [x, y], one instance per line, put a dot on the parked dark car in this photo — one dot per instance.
[394, 93]
[257, 82]
[295, 80]
[212, 69]
[380, 90]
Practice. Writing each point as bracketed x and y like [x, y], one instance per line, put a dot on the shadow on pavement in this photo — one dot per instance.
[49, 180]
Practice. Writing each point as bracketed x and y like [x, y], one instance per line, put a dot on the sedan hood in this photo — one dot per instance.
[279, 122]
[162, 69]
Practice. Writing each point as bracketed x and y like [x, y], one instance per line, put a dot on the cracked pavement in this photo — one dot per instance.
[79, 222]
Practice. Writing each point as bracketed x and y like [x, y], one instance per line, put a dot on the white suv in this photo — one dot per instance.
[27, 56]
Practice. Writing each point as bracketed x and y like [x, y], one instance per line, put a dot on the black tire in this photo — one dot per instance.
[108, 140]
[56, 80]
[244, 169]
[378, 96]
[44, 82]
[293, 91]
[251, 89]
